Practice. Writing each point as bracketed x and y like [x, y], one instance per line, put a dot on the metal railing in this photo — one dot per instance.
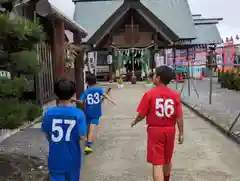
[191, 86]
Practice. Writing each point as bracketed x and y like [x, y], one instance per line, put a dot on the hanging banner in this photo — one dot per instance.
[91, 63]
[109, 59]
[168, 53]
[5, 74]
[159, 60]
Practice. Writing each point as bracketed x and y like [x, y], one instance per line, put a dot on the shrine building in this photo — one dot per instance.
[140, 34]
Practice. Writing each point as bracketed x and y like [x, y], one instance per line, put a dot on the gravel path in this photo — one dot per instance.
[120, 150]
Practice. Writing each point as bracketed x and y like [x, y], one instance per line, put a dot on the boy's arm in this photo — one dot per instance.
[138, 119]
[109, 98]
[82, 126]
[45, 126]
[179, 118]
[107, 92]
[47, 136]
[105, 95]
[78, 101]
[142, 109]
[81, 101]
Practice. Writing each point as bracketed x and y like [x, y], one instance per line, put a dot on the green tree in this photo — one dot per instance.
[18, 55]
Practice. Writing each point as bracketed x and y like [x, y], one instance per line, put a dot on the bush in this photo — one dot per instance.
[12, 88]
[33, 111]
[18, 37]
[16, 113]
[25, 62]
[18, 33]
[13, 114]
[119, 81]
[148, 81]
[230, 79]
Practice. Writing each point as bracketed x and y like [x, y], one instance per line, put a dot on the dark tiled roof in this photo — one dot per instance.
[92, 15]
[207, 34]
[175, 14]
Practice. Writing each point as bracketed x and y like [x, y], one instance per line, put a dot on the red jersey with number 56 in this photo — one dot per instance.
[161, 106]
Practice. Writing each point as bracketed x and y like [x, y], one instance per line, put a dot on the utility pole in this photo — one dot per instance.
[211, 57]
[133, 78]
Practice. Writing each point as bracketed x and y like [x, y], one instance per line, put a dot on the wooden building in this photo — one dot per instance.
[52, 52]
[143, 26]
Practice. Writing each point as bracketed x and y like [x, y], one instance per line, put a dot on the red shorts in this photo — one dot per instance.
[160, 144]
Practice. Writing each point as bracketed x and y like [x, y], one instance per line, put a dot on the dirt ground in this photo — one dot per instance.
[15, 167]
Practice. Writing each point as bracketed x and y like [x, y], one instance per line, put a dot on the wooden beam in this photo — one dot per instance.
[59, 40]
[79, 66]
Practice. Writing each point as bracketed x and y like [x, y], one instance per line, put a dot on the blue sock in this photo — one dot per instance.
[89, 144]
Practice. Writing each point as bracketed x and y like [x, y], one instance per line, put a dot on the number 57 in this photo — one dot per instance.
[57, 128]
[164, 108]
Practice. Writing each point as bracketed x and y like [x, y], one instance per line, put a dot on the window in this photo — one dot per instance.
[102, 58]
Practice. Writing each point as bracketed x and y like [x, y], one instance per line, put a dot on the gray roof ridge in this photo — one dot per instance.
[196, 14]
[210, 19]
[206, 23]
[176, 15]
[82, 10]
[76, 1]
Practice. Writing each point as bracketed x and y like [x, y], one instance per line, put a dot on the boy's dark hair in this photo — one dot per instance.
[64, 89]
[165, 73]
[91, 80]
[150, 75]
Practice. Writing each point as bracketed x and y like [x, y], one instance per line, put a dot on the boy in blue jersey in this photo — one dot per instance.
[64, 125]
[92, 97]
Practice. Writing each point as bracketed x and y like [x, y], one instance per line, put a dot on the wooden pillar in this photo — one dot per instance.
[175, 65]
[110, 52]
[188, 72]
[59, 40]
[155, 50]
[79, 66]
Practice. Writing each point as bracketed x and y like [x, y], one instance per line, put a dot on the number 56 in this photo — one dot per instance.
[164, 108]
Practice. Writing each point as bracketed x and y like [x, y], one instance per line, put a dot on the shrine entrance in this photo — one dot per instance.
[132, 44]
[132, 60]
[132, 35]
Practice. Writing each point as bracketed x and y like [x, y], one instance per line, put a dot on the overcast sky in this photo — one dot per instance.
[227, 9]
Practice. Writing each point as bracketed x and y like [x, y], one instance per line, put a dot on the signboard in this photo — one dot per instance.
[109, 59]
[91, 62]
[6, 74]
[159, 60]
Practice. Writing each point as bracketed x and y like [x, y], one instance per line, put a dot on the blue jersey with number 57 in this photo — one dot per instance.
[92, 97]
[63, 126]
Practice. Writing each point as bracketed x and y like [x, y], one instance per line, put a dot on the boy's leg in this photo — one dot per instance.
[91, 134]
[74, 175]
[169, 148]
[158, 174]
[167, 168]
[155, 152]
[58, 176]
[71, 176]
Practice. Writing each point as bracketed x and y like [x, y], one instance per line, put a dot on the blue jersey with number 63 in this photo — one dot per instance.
[92, 97]
[64, 125]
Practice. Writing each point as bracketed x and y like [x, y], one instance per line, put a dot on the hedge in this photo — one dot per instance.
[15, 110]
[230, 79]
[14, 113]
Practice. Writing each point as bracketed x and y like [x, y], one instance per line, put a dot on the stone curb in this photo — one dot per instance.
[9, 133]
[212, 121]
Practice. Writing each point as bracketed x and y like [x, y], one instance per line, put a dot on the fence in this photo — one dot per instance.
[45, 78]
[69, 58]
[210, 97]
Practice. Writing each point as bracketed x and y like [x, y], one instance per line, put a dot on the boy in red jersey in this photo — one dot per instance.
[162, 108]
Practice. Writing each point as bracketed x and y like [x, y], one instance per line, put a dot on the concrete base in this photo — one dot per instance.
[133, 79]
